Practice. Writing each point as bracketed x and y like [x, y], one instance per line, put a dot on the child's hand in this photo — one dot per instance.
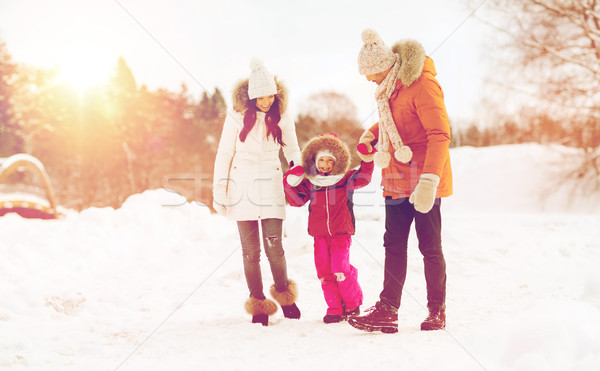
[294, 175]
[366, 146]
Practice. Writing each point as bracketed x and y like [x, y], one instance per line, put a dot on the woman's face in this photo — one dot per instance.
[265, 103]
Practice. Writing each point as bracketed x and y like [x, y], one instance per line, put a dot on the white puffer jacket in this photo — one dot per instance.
[248, 176]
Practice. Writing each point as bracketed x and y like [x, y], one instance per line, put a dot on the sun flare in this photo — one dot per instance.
[84, 70]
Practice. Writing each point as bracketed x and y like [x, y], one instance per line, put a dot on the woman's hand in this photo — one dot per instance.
[294, 175]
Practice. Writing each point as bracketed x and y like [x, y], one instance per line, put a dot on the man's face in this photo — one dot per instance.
[378, 77]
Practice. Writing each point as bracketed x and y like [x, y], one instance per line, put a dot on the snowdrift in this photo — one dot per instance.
[159, 284]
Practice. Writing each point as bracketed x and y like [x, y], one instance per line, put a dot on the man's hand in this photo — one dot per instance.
[366, 146]
[423, 196]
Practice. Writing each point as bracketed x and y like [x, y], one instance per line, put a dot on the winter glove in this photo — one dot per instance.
[219, 198]
[423, 196]
[366, 146]
[294, 175]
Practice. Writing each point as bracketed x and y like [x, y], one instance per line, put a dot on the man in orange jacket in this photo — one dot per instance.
[410, 143]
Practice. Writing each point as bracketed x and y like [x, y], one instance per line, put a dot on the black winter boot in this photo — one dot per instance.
[332, 318]
[261, 318]
[435, 321]
[379, 318]
[350, 313]
[287, 300]
[260, 310]
[291, 311]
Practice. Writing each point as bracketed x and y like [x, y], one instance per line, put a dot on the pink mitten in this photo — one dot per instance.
[294, 175]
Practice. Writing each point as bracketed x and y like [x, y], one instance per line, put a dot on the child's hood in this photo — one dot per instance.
[333, 144]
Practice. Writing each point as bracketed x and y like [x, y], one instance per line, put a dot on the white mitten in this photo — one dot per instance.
[365, 146]
[219, 198]
[294, 175]
[423, 196]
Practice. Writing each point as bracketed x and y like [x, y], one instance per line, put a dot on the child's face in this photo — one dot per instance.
[325, 164]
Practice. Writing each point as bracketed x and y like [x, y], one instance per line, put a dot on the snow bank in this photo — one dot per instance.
[519, 178]
[159, 284]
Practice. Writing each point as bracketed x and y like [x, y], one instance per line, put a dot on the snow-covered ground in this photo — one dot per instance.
[158, 284]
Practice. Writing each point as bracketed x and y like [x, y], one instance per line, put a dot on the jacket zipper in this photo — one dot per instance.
[327, 209]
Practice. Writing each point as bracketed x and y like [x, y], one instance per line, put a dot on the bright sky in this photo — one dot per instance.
[312, 45]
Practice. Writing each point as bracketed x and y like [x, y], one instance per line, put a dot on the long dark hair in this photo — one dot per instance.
[272, 119]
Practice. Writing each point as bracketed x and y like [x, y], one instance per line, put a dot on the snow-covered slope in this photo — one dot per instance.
[158, 284]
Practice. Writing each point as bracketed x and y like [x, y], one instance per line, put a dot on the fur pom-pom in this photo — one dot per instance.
[286, 297]
[255, 64]
[382, 159]
[255, 306]
[403, 154]
[369, 36]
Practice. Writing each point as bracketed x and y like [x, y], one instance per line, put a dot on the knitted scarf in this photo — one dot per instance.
[388, 132]
[325, 180]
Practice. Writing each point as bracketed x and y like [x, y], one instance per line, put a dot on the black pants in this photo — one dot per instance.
[399, 215]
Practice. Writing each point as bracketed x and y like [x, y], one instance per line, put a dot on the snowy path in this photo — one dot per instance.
[149, 287]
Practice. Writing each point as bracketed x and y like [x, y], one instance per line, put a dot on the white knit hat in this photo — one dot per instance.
[374, 56]
[261, 83]
[323, 153]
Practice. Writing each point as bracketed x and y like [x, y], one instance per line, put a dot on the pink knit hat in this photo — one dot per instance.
[375, 56]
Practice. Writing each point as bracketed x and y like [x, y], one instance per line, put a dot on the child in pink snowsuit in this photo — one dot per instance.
[329, 186]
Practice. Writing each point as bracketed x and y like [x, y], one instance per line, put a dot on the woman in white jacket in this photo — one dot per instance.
[248, 185]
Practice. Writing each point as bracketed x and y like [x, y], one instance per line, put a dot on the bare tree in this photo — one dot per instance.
[554, 49]
[330, 112]
[330, 106]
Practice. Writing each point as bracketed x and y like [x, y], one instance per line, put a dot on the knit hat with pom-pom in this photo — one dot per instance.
[261, 83]
[374, 56]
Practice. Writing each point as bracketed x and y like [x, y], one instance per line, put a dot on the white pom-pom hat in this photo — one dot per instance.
[374, 56]
[261, 83]
[323, 153]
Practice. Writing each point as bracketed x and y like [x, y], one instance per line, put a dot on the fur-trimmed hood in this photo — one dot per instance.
[333, 144]
[413, 57]
[240, 96]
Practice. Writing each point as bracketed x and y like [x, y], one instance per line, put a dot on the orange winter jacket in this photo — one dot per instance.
[420, 115]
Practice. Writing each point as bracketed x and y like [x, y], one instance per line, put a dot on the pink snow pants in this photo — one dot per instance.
[332, 255]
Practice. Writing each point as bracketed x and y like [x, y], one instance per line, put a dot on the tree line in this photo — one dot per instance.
[103, 145]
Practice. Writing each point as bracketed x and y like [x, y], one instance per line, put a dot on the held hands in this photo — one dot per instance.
[294, 175]
[366, 146]
[423, 196]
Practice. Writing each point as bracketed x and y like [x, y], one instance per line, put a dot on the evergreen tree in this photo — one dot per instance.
[10, 140]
